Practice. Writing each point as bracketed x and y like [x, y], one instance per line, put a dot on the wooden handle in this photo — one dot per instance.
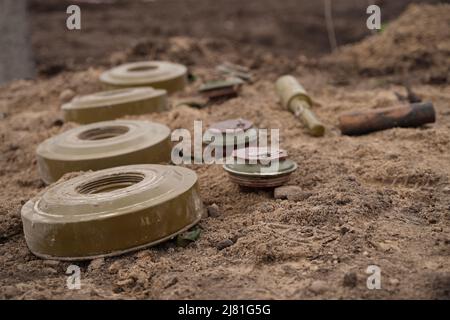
[361, 122]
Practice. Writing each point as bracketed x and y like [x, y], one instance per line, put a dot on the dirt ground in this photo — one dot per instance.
[290, 27]
[380, 199]
[16, 59]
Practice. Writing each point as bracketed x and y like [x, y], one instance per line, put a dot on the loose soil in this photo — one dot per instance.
[380, 199]
[289, 27]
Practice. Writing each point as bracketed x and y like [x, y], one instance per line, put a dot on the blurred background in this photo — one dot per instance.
[290, 27]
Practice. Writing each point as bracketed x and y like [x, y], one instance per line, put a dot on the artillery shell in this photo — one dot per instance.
[157, 74]
[111, 212]
[103, 145]
[113, 104]
[260, 174]
[361, 122]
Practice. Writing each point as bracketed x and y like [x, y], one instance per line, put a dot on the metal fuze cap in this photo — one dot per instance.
[231, 134]
[112, 211]
[113, 104]
[103, 145]
[157, 74]
[259, 168]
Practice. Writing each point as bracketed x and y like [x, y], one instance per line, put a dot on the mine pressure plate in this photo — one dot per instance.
[232, 125]
[234, 133]
[260, 167]
[103, 145]
[157, 74]
[111, 212]
[113, 104]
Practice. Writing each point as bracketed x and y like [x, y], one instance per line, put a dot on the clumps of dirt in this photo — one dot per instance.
[418, 41]
[194, 52]
[185, 50]
[382, 198]
[10, 224]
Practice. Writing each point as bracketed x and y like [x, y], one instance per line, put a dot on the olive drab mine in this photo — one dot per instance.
[127, 194]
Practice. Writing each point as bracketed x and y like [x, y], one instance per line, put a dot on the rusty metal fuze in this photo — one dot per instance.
[295, 98]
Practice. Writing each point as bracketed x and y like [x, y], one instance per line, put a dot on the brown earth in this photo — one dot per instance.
[380, 199]
[411, 47]
[290, 27]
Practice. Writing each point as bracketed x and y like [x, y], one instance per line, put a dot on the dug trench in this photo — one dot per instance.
[379, 199]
